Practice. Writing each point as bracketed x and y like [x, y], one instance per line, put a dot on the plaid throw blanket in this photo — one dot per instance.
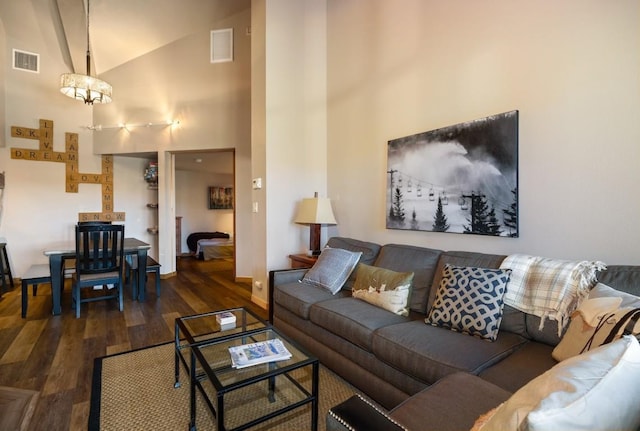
[548, 288]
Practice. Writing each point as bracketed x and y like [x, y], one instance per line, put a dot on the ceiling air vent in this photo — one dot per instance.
[27, 61]
[222, 45]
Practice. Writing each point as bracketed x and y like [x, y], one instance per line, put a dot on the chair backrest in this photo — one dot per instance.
[99, 248]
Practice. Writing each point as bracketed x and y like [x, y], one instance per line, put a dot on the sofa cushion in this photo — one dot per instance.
[470, 300]
[369, 252]
[419, 260]
[383, 288]
[625, 278]
[430, 353]
[453, 403]
[333, 267]
[520, 367]
[352, 319]
[596, 390]
[298, 297]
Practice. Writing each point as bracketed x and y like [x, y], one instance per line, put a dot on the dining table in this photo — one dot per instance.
[58, 252]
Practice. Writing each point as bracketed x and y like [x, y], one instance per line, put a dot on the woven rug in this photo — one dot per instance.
[134, 391]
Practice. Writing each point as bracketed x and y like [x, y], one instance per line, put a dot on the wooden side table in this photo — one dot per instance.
[302, 260]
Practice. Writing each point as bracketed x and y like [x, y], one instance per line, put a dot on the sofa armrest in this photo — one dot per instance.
[282, 276]
[358, 414]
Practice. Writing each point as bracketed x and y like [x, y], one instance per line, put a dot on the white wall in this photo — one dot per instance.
[37, 212]
[192, 189]
[571, 68]
[212, 103]
[289, 152]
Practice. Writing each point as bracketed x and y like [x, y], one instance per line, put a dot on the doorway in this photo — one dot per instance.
[196, 175]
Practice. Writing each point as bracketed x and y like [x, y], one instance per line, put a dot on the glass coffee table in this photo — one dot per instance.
[240, 398]
[198, 328]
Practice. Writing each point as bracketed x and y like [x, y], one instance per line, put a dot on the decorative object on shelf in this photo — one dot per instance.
[85, 87]
[151, 175]
[220, 198]
[315, 212]
[474, 164]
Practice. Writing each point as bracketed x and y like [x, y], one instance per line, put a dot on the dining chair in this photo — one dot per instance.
[99, 262]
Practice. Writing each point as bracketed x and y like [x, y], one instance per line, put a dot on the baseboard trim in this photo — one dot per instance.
[244, 280]
[259, 301]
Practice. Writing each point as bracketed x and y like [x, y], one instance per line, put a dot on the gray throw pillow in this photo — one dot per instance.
[332, 269]
[470, 300]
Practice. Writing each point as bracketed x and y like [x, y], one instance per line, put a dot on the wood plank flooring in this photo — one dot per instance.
[54, 354]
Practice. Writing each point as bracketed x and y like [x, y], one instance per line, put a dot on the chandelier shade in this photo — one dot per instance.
[85, 87]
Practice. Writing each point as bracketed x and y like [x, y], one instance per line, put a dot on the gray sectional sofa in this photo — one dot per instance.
[428, 377]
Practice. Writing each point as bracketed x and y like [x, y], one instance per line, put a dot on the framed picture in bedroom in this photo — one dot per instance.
[460, 179]
[220, 198]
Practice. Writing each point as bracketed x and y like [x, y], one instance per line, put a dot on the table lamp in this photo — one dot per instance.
[315, 212]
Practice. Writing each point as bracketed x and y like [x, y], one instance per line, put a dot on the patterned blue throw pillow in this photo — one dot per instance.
[470, 300]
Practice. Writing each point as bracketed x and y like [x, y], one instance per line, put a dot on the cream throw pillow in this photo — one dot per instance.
[596, 322]
[383, 288]
[598, 390]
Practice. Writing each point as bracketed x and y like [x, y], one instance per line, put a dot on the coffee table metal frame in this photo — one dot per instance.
[274, 369]
[245, 319]
[247, 326]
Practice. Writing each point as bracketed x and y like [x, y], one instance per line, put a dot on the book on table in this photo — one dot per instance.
[261, 352]
[226, 320]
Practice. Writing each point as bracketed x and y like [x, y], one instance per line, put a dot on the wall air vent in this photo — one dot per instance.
[222, 45]
[27, 61]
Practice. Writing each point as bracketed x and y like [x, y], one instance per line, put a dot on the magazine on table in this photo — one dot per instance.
[258, 353]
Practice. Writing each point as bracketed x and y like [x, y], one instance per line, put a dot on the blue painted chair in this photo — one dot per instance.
[99, 262]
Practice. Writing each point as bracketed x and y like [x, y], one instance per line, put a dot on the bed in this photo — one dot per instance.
[215, 245]
[214, 248]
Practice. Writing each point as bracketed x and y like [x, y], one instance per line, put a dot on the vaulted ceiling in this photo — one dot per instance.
[122, 30]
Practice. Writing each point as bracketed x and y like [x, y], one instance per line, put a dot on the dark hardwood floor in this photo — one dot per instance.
[54, 354]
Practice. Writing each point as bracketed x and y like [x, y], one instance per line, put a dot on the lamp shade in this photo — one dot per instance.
[86, 88]
[315, 211]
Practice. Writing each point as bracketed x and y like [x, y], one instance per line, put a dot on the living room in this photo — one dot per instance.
[316, 90]
[331, 84]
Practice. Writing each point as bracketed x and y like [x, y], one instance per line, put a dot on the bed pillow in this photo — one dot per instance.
[595, 391]
[331, 270]
[470, 300]
[383, 288]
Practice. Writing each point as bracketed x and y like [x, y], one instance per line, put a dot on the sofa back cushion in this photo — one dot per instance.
[369, 252]
[419, 260]
[512, 320]
[622, 277]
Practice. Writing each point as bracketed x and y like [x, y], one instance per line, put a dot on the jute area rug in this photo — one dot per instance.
[134, 391]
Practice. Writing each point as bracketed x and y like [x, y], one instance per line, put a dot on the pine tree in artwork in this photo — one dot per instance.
[493, 224]
[511, 215]
[479, 222]
[440, 223]
[397, 208]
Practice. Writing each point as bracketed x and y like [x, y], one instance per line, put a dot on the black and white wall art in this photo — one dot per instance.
[461, 178]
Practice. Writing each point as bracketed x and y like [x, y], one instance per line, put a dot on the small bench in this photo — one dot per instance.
[132, 272]
[36, 274]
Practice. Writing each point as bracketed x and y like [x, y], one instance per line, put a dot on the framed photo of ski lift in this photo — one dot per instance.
[459, 179]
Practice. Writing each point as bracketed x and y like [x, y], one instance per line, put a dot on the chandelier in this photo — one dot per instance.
[85, 87]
